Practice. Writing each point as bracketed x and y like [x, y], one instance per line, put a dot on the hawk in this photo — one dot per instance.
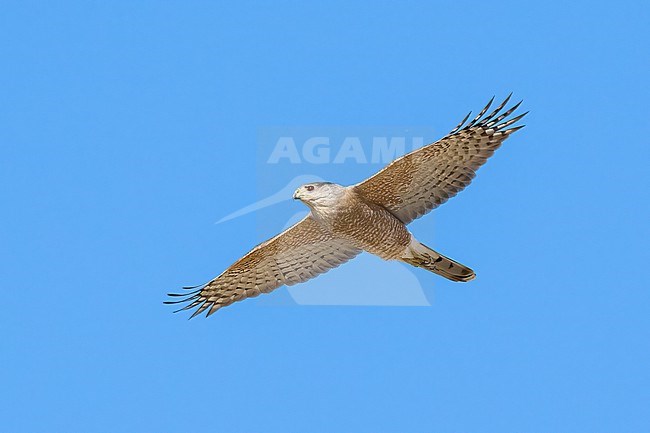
[370, 216]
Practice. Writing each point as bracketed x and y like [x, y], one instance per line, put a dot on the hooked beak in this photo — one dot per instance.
[296, 195]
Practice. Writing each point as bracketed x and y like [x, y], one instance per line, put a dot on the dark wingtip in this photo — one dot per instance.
[481, 113]
[486, 120]
[196, 313]
[213, 309]
[457, 128]
[509, 122]
[515, 129]
[192, 298]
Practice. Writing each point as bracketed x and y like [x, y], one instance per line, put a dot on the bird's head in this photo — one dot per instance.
[319, 194]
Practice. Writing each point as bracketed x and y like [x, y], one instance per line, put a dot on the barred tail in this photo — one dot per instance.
[418, 254]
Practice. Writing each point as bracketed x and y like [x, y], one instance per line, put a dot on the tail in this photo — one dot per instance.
[418, 254]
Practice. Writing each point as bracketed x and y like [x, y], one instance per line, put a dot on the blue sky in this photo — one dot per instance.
[128, 128]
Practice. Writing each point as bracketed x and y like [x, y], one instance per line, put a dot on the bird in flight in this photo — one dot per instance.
[370, 216]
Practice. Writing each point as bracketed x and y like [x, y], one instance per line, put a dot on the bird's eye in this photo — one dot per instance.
[309, 187]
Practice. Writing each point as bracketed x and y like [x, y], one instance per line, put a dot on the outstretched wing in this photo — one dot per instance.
[422, 180]
[298, 254]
